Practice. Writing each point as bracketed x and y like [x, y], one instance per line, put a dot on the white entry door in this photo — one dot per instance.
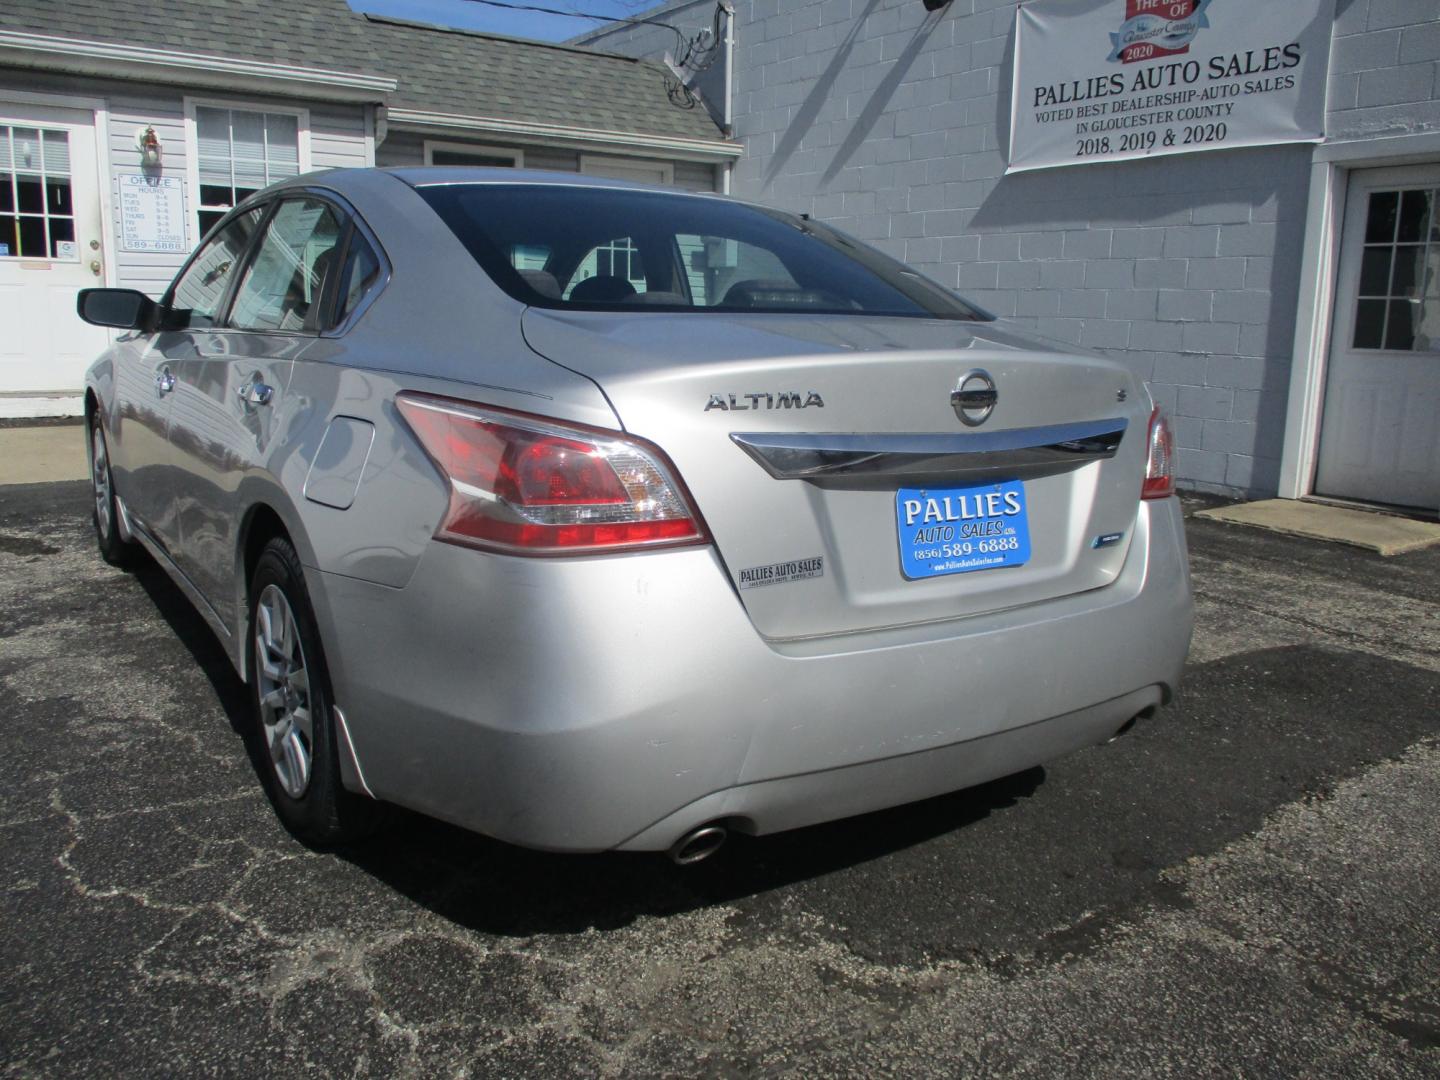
[50, 247]
[1380, 431]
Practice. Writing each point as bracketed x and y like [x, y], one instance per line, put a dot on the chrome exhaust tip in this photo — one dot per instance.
[1143, 714]
[698, 845]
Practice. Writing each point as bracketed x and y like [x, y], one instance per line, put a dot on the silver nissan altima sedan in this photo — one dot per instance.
[595, 516]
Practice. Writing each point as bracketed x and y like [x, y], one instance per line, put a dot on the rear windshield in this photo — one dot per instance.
[602, 248]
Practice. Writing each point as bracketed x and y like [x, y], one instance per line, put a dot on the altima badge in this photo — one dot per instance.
[974, 398]
[788, 400]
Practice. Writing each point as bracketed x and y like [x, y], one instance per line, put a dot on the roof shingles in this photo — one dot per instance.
[323, 34]
[440, 70]
[471, 74]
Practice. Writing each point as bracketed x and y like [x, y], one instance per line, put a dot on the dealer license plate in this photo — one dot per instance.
[959, 529]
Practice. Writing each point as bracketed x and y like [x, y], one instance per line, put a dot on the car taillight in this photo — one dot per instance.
[1160, 459]
[531, 486]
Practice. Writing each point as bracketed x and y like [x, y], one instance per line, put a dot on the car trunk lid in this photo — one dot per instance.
[808, 441]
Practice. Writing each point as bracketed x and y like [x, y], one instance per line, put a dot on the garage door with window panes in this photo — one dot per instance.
[240, 152]
[37, 216]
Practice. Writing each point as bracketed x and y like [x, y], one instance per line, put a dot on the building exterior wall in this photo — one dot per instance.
[337, 139]
[890, 122]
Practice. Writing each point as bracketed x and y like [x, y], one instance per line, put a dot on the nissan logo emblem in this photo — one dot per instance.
[974, 398]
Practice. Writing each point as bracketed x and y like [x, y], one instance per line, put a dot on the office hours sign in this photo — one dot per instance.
[1114, 80]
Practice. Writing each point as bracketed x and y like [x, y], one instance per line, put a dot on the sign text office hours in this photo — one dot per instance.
[1182, 103]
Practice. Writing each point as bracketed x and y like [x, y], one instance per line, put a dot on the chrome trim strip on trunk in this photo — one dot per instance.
[800, 455]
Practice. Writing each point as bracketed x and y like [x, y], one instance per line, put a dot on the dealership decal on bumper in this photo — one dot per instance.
[781, 572]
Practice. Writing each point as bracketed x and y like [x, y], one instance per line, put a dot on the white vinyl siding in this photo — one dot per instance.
[337, 137]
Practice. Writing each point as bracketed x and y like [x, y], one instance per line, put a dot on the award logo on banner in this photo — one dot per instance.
[1156, 28]
[1114, 80]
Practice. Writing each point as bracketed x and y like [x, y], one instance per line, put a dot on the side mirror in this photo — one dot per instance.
[124, 309]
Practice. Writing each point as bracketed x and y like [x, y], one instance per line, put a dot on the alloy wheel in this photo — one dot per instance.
[283, 681]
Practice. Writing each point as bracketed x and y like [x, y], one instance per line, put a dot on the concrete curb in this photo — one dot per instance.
[1373, 530]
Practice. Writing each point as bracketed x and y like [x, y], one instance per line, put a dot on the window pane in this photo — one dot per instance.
[9, 243]
[282, 134]
[215, 195]
[57, 195]
[1427, 326]
[62, 230]
[1369, 324]
[55, 152]
[5, 163]
[25, 143]
[30, 192]
[287, 278]
[247, 132]
[1375, 271]
[209, 219]
[1380, 225]
[212, 135]
[200, 288]
[32, 237]
[7, 193]
[1400, 326]
[465, 157]
[1414, 216]
[1409, 270]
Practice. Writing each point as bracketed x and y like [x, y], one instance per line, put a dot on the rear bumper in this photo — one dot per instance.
[591, 704]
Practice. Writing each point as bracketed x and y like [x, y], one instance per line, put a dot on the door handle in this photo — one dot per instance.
[255, 393]
[164, 381]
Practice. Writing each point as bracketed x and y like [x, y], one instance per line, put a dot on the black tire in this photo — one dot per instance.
[105, 512]
[321, 813]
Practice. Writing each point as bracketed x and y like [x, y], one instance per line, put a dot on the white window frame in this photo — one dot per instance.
[192, 143]
[514, 153]
[667, 168]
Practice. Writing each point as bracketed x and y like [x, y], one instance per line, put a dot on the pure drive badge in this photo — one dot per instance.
[781, 572]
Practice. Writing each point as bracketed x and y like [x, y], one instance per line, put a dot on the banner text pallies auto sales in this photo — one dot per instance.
[1165, 76]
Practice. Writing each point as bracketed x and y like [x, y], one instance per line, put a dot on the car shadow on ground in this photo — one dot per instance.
[498, 888]
[501, 889]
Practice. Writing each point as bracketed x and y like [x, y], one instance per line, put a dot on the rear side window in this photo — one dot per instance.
[284, 285]
[362, 269]
[603, 248]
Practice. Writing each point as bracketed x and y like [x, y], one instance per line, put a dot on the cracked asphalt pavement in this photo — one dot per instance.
[1249, 884]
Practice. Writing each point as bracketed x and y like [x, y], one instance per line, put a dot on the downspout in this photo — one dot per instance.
[728, 7]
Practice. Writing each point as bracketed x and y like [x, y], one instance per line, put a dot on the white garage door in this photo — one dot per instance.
[1380, 432]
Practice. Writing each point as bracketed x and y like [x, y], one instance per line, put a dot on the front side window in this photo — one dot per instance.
[240, 152]
[659, 252]
[285, 284]
[201, 286]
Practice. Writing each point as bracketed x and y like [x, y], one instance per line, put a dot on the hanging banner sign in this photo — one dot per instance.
[1113, 80]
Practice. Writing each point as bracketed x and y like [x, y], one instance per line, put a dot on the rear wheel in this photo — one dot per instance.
[105, 513]
[290, 695]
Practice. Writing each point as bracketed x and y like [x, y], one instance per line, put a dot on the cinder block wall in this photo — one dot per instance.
[890, 123]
